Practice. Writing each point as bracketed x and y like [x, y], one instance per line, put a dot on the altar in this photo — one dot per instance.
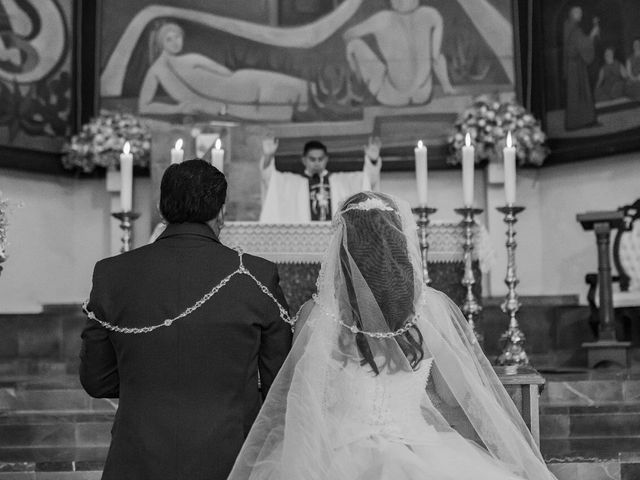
[298, 249]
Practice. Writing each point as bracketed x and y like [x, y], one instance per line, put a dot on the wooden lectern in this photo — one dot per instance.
[607, 348]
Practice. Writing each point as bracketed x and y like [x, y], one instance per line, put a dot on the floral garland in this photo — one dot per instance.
[99, 143]
[488, 121]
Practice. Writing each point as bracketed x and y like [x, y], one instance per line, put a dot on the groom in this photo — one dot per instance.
[188, 389]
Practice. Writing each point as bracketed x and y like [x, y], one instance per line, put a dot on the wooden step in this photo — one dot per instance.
[12, 399]
[609, 420]
[583, 469]
[51, 463]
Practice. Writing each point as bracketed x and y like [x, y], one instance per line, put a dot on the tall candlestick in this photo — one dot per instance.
[468, 161]
[217, 156]
[421, 173]
[513, 339]
[126, 176]
[177, 154]
[509, 153]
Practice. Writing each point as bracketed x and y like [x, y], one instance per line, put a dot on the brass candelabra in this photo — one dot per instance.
[513, 352]
[126, 225]
[470, 307]
[423, 234]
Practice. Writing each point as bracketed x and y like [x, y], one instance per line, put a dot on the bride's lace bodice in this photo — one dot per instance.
[387, 404]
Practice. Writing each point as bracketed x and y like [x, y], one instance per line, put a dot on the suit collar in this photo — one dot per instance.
[197, 229]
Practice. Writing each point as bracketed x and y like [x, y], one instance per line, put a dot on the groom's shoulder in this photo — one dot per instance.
[258, 264]
[121, 260]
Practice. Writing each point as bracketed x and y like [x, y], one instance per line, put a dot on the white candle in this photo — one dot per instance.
[217, 156]
[177, 154]
[421, 173]
[509, 154]
[126, 178]
[468, 164]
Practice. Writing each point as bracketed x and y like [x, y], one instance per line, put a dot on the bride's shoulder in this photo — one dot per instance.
[302, 316]
[305, 309]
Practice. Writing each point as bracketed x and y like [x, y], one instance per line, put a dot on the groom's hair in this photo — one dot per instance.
[192, 191]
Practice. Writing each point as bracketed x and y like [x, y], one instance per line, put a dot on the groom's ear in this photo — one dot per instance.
[160, 212]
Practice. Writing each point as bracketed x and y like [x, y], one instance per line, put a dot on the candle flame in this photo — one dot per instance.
[509, 141]
[467, 140]
[126, 149]
[420, 144]
[178, 144]
[218, 144]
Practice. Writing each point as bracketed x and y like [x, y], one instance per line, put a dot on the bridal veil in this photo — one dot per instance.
[366, 346]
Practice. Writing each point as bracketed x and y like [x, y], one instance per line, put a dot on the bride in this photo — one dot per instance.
[378, 364]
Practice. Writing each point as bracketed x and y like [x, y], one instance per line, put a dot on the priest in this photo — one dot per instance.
[293, 198]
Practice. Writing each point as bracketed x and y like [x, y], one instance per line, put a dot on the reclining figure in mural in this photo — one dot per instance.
[409, 38]
[199, 85]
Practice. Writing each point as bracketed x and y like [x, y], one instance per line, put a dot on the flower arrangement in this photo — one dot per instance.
[99, 143]
[5, 207]
[488, 121]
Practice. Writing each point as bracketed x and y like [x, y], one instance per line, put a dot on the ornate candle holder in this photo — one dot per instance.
[126, 225]
[470, 308]
[513, 339]
[423, 234]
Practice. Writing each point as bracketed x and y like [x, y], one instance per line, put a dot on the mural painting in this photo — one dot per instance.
[591, 83]
[399, 69]
[35, 73]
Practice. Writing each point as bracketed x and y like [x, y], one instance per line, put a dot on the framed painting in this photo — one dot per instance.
[39, 89]
[585, 76]
[337, 71]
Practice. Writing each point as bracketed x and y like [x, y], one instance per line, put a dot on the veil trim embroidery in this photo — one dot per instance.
[354, 329]
[241, 270]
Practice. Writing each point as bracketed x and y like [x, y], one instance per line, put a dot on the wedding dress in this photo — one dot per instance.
[379, 363]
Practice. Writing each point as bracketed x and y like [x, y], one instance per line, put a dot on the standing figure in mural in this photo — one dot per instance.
[611, 78]
[577, 55]
[197, 84]
[632, 88]
[291, 198]
[409, 39]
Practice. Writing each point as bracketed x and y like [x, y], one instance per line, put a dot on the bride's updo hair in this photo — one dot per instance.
[377, 245]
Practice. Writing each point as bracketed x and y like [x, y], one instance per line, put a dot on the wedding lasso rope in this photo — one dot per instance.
[242, 270]
[354, 329]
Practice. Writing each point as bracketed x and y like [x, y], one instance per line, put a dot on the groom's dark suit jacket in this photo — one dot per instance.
[189, 392]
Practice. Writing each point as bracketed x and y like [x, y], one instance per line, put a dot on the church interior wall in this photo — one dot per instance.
[64, 226]
[56, 235]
